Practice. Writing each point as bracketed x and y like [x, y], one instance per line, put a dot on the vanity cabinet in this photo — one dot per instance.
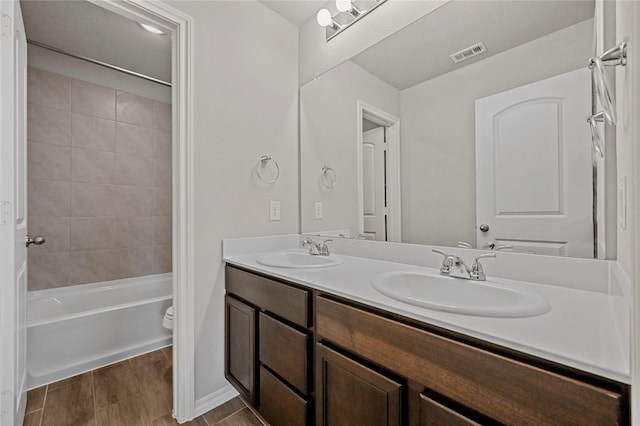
[488, 384]
[303, 357]
[353, 394]
[240, 345]
[269, 346]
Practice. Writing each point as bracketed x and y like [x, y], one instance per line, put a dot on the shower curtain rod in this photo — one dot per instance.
[102, 64]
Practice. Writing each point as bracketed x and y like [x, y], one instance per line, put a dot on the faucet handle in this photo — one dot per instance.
[439, 251]
[477, 273]
[462, 244]
[324, 250]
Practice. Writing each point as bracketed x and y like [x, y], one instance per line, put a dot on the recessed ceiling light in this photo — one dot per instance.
[151, 29]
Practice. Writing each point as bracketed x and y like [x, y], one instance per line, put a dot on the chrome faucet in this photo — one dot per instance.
[316, 249]
[454, 266]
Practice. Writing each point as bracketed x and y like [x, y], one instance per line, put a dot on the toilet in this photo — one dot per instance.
[167, 320]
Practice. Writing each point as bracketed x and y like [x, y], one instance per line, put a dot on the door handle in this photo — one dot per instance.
[484, 227]
[39, 240]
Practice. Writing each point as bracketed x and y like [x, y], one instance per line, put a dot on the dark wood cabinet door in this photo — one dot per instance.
[352, 394]
[432, 413]
[240, 348]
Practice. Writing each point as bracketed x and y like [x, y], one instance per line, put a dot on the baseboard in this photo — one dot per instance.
[214, 400]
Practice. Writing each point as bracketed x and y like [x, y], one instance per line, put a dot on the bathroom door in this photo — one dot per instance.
[13, 214]
[534, 179]
[373, 179]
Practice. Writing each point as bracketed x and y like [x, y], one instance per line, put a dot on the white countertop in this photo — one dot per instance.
[587, 330]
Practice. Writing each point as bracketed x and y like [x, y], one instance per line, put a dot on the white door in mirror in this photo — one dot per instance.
[534, 177]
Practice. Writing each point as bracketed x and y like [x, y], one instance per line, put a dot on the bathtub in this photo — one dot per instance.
[71, 330]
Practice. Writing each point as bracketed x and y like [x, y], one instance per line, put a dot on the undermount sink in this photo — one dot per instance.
[480, 298]
[297, 260]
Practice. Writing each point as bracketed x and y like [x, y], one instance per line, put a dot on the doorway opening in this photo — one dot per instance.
[378, 162]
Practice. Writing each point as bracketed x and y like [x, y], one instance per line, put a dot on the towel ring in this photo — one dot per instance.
[596, 139]
[262, 163]
[330, 174]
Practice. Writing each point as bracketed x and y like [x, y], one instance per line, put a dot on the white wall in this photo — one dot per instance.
[318, 56]
[438, 132]
[81, 70]
[245, 75]
[628, 149]
[328, 132]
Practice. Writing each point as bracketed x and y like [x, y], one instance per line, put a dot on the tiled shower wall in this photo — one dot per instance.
[99, 163]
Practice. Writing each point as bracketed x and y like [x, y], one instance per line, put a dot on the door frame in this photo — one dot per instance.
[181, 28]
[392, 125]
[13, 122]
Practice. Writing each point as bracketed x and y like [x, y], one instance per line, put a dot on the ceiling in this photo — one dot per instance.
[295, 11]
[421, 51]
[85, 29]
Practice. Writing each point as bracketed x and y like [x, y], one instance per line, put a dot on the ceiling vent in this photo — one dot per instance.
[469, 52]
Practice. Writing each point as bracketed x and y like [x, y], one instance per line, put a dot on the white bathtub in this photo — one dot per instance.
[71, 330]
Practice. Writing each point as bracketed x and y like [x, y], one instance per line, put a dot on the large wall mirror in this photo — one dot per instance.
[466, 128]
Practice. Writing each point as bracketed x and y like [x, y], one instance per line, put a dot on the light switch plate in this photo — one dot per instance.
[274, 210]
[318, 213]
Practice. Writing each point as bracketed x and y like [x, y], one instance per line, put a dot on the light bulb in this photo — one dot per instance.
[324, 17]
[343, 5]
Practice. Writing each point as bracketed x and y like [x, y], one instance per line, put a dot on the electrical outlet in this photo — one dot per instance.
[318, 214]
[274, 210]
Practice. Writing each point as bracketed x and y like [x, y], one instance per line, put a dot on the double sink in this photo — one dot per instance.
[432, 291]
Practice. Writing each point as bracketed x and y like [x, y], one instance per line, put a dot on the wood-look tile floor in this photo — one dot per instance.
[137, 391]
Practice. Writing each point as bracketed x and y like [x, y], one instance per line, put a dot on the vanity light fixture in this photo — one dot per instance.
[348, 14]
[151, 28]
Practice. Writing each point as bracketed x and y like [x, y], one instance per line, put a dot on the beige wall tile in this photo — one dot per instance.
[134, 109]
[162, 173]
[93, 132]
[133, 231]
[91, 99]
[90, 233]
[88, 165]
[46, 161]
[162, 202]
[161, 144]
[55, 230]
[133, 262]
[162, 230]
[48, 125]
[92, 200]
[132, 139]
[91, 266]
[133, 201]
[161, 116]
[161, 259]
[48, 89]
[134, 170]
[48, 270]
[49, 198]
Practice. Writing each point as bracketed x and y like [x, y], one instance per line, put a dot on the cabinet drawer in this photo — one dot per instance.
[279, 405]
[284, 350]
[283, 300]
[432, 413]
[504, 389]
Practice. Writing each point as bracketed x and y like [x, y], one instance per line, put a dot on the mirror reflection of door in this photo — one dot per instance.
[374, 181]
[533, 167]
